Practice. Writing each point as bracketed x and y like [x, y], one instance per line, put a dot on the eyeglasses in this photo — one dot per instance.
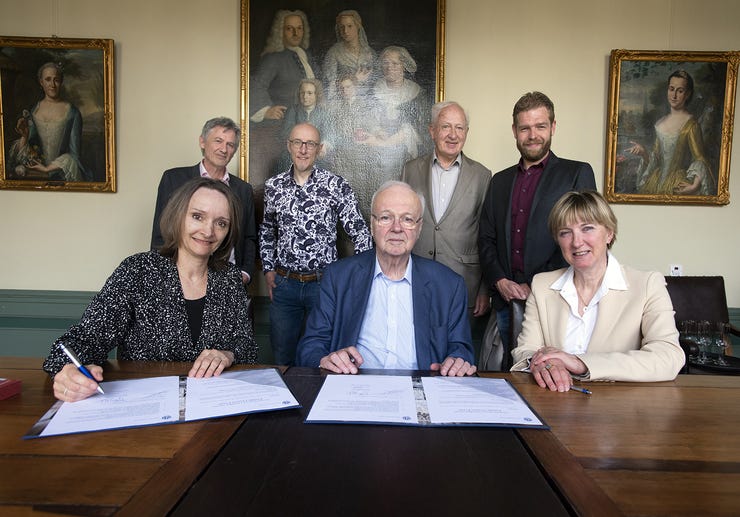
[405, 221]
[297, 144]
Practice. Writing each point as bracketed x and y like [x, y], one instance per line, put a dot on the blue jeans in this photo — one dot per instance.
[292, 300]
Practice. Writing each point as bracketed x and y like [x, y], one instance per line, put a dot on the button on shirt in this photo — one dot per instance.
[387, 338]
[443, 185]
[299, 230]
[525, 185]
[580, 328]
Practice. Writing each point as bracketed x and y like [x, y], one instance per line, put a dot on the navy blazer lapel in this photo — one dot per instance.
[358, 288]
[422, 301]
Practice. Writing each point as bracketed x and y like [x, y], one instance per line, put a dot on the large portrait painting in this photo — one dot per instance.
[364, 73]
[56, 103]
[670, 122]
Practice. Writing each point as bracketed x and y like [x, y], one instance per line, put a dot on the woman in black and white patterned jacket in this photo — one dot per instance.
[184, 302]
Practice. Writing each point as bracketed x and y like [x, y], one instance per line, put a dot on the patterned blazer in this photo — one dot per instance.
[141, 310]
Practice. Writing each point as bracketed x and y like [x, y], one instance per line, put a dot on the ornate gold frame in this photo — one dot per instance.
[629, 115]
[247, 43]
[19, 60]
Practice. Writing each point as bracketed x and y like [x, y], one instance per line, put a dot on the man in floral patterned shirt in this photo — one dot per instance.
[298, 237]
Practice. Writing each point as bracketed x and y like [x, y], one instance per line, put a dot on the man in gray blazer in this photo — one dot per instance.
[454, 187]
[515, 242]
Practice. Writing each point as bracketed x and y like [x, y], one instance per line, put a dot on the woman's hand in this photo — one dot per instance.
[211, 363]
[71, 385]
[637, 149]
[552, 368]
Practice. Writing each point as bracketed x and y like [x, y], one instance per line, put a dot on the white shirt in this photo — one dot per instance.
[580, 328]
[387, 339]
[443, 185]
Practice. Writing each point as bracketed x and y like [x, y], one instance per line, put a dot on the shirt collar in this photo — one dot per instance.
[541, 166]
[457, 161]
[378, 273]
[204, 174]
[613, 277]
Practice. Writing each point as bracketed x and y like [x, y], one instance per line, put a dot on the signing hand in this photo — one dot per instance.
[71, 385]
[211, 363]
[344, 360]
[454, 367]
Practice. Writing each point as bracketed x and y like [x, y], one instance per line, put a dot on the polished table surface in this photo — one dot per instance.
[668, 448]
[359, 469]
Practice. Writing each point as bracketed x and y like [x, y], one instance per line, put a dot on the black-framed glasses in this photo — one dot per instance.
[406, 221]
[297, 144]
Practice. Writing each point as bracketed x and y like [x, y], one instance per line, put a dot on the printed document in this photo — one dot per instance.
[424, 401]
[167, 400]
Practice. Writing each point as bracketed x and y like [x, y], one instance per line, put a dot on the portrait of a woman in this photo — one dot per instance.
[676, 164]
[351, 54]
[49, 147]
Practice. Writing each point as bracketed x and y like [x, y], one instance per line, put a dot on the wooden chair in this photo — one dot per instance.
[516, 316]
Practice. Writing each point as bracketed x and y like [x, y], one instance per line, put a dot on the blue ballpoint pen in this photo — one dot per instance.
[81, 367]
[582, 390]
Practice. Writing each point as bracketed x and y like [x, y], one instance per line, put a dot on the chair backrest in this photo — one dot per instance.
[698, 298]
[516, 316]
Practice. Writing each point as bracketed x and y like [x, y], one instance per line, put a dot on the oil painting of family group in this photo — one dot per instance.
[670, 126]
[361, 73]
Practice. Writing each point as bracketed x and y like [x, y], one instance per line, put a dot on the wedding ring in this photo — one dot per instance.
[548, 366]
[65, 392]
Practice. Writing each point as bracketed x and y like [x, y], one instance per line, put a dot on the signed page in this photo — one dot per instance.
[168, 400]
[127, 403]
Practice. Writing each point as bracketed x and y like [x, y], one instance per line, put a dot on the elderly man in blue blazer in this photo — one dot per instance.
[386, 308]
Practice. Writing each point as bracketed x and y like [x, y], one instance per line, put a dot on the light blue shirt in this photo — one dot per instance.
[387, 339]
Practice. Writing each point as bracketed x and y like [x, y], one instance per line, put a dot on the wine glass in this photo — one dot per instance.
[687, 334]
[704, 340]
[720, 331]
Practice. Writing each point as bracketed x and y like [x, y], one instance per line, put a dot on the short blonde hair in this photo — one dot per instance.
[586, 206]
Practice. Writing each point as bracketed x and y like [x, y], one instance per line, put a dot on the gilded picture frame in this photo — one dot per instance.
[669, 126]
[355, 143]
[57, 128]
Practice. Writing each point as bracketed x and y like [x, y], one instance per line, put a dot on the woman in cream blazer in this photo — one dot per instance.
[597, 319]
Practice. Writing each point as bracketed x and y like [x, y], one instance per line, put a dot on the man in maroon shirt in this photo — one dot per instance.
[514, 240]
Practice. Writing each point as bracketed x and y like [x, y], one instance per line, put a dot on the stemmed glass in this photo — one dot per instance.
[704, 340]
[720, 331]
[687, 334]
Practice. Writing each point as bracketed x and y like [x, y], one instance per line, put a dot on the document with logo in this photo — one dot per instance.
[422, 401]
[167, 400]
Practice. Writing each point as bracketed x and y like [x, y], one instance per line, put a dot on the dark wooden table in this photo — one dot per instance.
[668, 449]
[348, 469]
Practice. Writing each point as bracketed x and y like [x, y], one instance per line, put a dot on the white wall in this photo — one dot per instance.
[177, 64]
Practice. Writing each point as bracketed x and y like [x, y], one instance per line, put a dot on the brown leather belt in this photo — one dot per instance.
[313, 276]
